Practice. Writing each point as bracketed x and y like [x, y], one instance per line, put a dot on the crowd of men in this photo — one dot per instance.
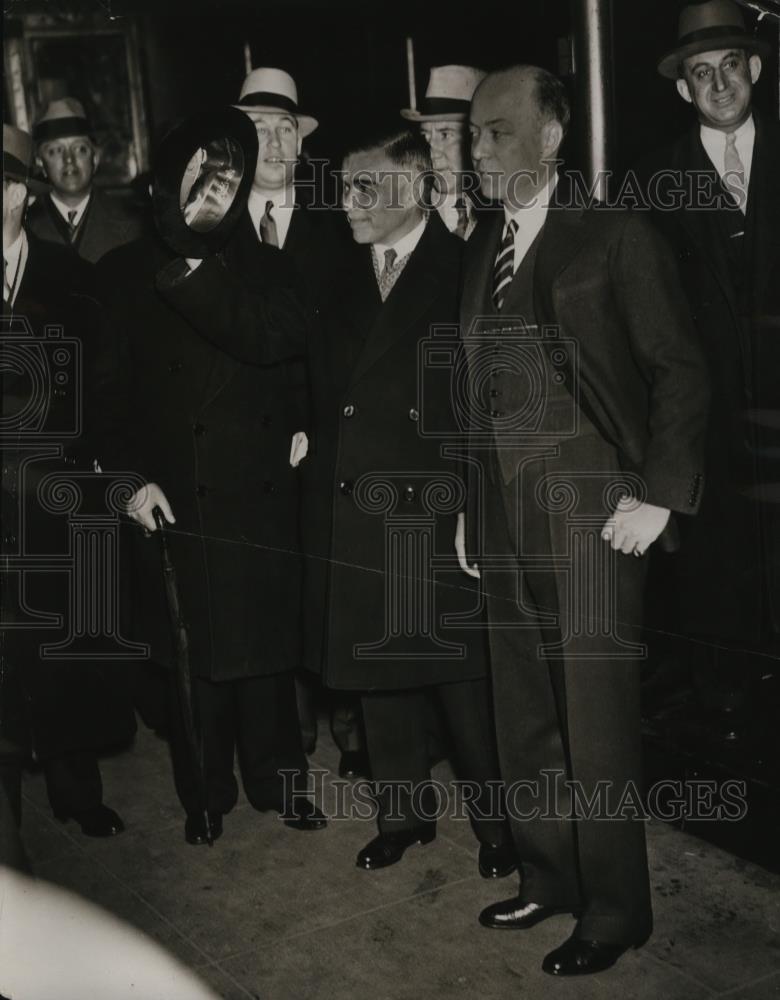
[418, 527]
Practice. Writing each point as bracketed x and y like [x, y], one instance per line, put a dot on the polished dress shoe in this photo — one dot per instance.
[576, 957]
[98, 822]
[353, 764]
[301, 814]
[515, 915]
[388, 848]
[195, 828]
[496, 861]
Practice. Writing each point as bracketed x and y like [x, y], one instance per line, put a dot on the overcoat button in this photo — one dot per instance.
[346, 487]
[414, 415]
[349, 410]
[201, 490]
[410, 494]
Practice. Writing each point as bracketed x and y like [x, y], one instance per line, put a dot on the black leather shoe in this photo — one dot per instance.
[576, 957]
[353, 764]
[98, 822]
[496, 861]
[301, 814]
[515, 915]
[388, 848]
[195, 828]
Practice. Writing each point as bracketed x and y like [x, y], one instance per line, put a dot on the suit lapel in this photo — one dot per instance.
[561, 240]
[412, 293]
[480, 256]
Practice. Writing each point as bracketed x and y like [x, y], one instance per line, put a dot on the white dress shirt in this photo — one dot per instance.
[281, 213]
[714, 142]
[402, 247]
[448, 212]
[529, 219]
[64, 209]
[14, 262]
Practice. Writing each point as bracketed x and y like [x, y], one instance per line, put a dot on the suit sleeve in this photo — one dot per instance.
[665, 347]
[260, 319]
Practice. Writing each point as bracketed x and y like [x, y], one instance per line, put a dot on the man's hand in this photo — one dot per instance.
[460, 548]
[299, 448]
[634, 526]
[143, 502]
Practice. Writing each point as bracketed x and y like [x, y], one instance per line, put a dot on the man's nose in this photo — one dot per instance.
[275, 139]
[69, 155]
[721, 83]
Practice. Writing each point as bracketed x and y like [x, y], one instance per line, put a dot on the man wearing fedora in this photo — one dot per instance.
[74, 212]
[316, 243]
[726, 230]
[442, 117]
[64, 711]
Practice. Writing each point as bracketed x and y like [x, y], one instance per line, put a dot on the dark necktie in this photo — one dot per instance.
[389, 275]
[268, 233]
[72, 227]
[463, 218]
[504, 267]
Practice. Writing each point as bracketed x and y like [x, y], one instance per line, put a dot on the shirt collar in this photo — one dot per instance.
[12, 253]
[532, 216]
[405, 245]
[716, 136]
[63, 209]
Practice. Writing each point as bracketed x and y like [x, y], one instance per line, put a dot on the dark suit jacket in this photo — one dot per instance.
[68, 705]
[201, 363]
[378, 428]
[608, 283]
[730, 563]
[107, 223]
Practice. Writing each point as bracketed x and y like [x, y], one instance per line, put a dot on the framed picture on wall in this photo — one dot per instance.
[99, 65]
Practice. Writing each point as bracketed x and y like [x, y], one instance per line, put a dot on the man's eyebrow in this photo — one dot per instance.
[729, 55]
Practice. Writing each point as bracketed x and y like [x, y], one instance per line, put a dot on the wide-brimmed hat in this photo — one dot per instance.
[267, 89]
[709, 27]
[60, 119]
[19, 159]
[449, 93]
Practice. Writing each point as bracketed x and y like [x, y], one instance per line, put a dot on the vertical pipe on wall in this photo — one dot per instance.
[593, 75]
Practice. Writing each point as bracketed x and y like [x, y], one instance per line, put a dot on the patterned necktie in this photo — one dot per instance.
[734, 172]
[504, 267]
[72, 227]
[463, 218]
[389, 275]
[268, 233]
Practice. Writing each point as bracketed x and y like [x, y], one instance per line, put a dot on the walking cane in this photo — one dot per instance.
[181, 646]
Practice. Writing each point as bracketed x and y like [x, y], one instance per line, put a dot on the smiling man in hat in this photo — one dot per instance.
[67, 710]
[725, 228]
[442, 118]
[74, 212]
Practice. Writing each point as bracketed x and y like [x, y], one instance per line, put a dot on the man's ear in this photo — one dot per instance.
[552, 137]
[754, 64]
[41, 165]
[683, 90]
[95, 157]
[300, 143]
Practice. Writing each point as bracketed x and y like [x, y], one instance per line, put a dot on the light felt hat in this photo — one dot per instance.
[267, 89]
[19, 159]
[709, 27]
[60, 119]
[449, 93]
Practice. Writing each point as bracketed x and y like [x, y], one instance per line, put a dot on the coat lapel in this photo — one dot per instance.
[562, 238]
[480, 256]
[417, 287]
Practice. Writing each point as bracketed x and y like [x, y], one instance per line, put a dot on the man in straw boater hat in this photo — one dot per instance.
[71, 710]
[74, 212]
[443, 117]
[214, 348]
[316, 242]
[722, 213]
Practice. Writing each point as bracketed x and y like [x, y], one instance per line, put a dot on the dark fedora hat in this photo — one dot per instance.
[205, 168]
[19, 159]
[708, 27]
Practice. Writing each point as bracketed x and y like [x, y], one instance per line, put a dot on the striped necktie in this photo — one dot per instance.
[734, 169]
[462, 226]
[72, 227]
[504, 267]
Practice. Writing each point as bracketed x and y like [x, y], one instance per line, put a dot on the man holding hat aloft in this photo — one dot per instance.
[62, 710]
[726, 229]
[74, 212]
[442, 118]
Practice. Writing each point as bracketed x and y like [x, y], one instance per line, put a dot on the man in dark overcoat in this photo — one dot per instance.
[64, 710]
[715, 196]
[75, 212]
[381, 497]
[206, 360]
[589, 402]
